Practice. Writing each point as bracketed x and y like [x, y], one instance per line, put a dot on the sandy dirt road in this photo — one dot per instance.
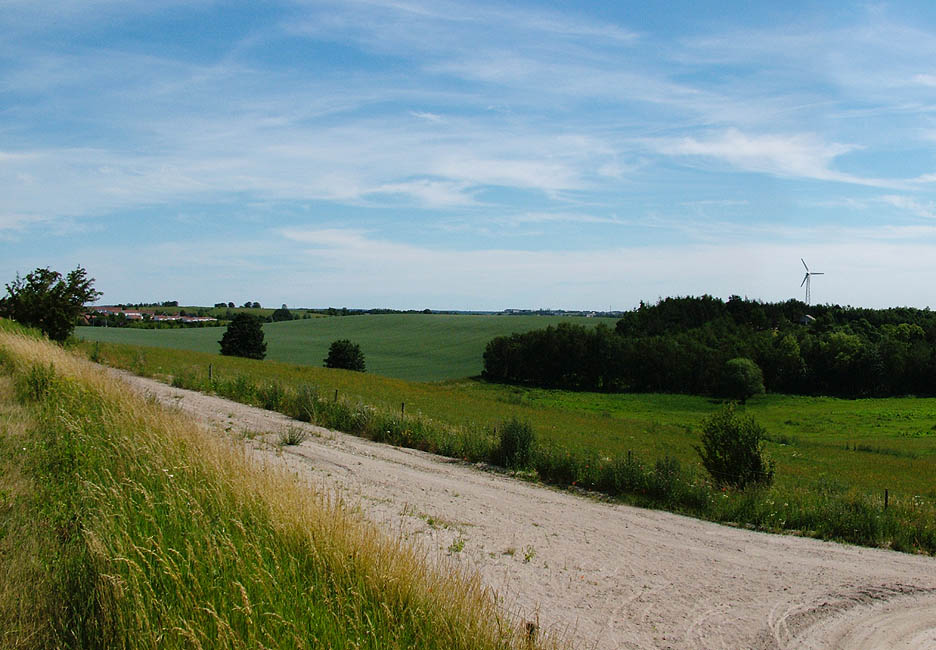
[605, 575]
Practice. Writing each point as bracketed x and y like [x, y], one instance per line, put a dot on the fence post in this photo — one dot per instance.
[209, 372]
[402, 409]
[886, 497]
[336, 394]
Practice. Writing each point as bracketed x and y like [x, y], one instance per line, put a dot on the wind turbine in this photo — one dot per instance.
[805, 281]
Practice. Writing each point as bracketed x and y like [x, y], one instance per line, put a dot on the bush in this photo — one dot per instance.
[345, 355]
[515, 444]
[743, 379]
[244, 337]
[732, 450]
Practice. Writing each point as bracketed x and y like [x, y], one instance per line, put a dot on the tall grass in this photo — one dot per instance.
[669, 481]
[148, 533]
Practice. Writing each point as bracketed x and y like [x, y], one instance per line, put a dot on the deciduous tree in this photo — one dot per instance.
[244, 337]
[49, 302]
[346, 355]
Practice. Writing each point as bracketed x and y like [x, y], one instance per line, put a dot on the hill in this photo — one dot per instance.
[415, 347]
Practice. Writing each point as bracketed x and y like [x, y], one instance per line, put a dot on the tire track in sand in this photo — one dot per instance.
[607, 575]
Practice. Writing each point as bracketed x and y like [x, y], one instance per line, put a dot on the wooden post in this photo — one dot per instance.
[886, 498]
[402, 409]
[336, 394]
[209, 372]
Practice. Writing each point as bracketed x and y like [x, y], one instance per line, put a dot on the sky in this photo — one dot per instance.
[471, 155]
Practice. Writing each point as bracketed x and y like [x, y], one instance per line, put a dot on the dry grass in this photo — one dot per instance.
[184, 542]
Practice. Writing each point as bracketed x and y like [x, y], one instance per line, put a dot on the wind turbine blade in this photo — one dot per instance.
[814, 273]
[804, 280]
[804, 264]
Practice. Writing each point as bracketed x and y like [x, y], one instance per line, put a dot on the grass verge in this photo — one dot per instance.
[823, 506]
[122, 525]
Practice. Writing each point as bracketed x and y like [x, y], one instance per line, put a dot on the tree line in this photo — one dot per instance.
[684, 345]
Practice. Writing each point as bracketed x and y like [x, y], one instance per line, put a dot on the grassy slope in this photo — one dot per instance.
[895, 437]
[416, 347]
[136, 530]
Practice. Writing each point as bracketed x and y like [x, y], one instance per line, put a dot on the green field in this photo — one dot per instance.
[870, 445]
[415, 347]
[834, 458]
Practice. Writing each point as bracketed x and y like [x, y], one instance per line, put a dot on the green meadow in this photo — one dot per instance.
[415, 347]
[868, 445]
[834, 458]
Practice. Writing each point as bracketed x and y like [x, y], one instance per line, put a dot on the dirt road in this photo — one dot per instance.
[609, 576]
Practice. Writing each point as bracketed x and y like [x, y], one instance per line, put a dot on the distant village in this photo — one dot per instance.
[99, 315]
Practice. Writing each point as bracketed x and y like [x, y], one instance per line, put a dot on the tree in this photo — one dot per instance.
[281, 314]
[45, 300]
[732, 450]
[346, 355]
[244, 337]
[743, 379]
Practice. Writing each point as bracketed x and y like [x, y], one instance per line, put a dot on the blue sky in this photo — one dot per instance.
[415, 154]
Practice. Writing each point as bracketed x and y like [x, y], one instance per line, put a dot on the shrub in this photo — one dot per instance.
[732, 450]
[244, 337]
[345, 355]
[515, 444]
[743, 379]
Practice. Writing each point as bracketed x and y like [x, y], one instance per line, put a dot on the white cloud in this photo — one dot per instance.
[428, 117]
[621, 275]
[563, 217]
[795, 155]
[428, 193]
[18, 221]
[926, 209]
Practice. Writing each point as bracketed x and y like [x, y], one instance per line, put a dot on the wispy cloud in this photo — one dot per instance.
[577, 134]
[926, 209]
[428, 117]
[795, 155]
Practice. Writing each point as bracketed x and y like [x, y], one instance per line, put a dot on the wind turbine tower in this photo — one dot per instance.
[805, 281]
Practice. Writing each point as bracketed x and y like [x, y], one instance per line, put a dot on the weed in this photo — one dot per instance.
[292, 436]
[528, 554]
[271, 395]
[515, 444]
[457, 545]
[36, 383]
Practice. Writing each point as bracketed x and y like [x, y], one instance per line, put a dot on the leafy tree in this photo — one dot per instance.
[244, 337]
[732, 450]
[743, 379]
[346, 355]
[281, 314]
[49, 302]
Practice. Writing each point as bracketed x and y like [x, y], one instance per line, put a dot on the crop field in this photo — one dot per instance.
[415, 347]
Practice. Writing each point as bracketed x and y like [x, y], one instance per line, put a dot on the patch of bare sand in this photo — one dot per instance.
[609, 576]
